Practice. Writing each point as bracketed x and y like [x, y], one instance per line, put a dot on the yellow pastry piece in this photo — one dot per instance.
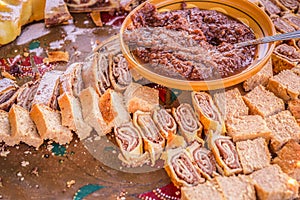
[15, 13]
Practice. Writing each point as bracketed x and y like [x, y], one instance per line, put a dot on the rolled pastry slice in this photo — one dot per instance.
[119, 73]
[165, 122]
[71, 80]
[207, 112]
[153, 141]
[130, 142]
[225, 153]
[8, 93]
[95, 72]
[48, 89]
[285, 57]
[27, 93]
[189, 125]
[180, 168]
[203, 159]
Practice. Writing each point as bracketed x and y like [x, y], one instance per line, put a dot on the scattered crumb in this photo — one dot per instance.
[57, 56]
[19, 174]
[26, 54]
[122, 195]
[70, 183]
[1, 182]
[27, 152]
[35, 171]
[49, 147]
[22, 179]
[24, 163]
[3, 152]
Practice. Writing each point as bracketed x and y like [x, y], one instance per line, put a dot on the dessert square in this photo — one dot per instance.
[254, 154]
[201, 191]
[247, 127]
[294, 107]
[288, 158]
[231, 104]
[285, 85]
[271, 183]
[236, 187]
[284, 127]
[261, 78]
[263, 102]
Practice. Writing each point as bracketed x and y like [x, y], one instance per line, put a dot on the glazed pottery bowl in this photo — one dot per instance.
[242, 10]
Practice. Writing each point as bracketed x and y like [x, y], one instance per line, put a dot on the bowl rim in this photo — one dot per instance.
[204, 84]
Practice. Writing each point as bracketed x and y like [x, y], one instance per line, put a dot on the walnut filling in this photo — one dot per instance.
[128, 135]
[228, 153]
[207, 106]
[187, 118]
[7, 95]
[103, 73]
[149, 128]
[184, 169]
[165, 122]
[120, 71]
[288, 52]
[190, 44]
[205, 160]
[26, 96]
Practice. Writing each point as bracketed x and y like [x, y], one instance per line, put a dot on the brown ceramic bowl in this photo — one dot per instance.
[242, 10]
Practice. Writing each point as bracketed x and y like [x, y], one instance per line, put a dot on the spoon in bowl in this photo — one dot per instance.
[273, 38]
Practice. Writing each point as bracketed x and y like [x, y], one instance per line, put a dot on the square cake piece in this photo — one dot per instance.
[288, 158]
[236, 187]
[285, 85]
[273, 184]
[247, 127]
[294, 107]
[254, 154]
[22, 127]
[201, 191]
[231, 104]
[48, 122]
[284, 128]
[263, 102]
[261, 78]
[5, 130]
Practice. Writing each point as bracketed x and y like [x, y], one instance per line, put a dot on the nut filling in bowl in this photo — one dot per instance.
[189, 45]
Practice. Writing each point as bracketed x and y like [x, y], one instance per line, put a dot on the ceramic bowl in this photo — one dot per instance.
[243, 10]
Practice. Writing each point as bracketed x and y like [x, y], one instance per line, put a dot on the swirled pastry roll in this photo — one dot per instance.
[180, 168]
[71, 80]
[207, 112]
[95, 72]
[8, 93]
[153, 141]
[225, 153]
[130, 142]
[189, 125]
[119, 73]
[27, 93]
[165, 123]
[203, 159]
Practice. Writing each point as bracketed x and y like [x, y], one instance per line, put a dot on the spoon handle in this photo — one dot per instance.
[273, 38]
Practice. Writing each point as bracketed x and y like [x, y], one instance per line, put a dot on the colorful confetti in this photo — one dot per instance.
[58, 150]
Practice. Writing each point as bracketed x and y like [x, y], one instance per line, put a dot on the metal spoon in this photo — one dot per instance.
[273, 38]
